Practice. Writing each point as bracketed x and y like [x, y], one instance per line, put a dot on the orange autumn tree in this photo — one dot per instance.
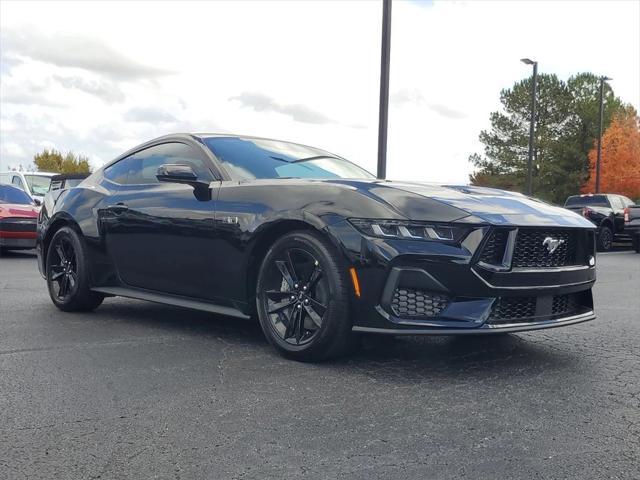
[620, 165]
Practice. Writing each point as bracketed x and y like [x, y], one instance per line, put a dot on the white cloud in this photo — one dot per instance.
[93, 78]
[76, 51]
[297, 112]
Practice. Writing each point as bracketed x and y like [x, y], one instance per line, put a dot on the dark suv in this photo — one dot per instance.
[606, 211]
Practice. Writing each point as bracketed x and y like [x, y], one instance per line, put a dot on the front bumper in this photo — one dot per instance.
[429, 288]
[17, 242]
[523, 327]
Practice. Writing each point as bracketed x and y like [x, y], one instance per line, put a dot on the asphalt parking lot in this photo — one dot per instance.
[138, 390]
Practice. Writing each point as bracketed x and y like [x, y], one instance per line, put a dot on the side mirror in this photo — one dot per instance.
[37, 202]
[175, 173]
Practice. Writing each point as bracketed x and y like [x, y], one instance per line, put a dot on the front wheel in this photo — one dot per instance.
[302, 298]
[68, 273]
[605, 239]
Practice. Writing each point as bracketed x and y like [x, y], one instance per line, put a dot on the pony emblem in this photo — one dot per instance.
[552, 244]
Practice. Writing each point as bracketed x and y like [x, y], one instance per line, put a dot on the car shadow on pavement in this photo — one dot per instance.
[469, 353]
[404, 358]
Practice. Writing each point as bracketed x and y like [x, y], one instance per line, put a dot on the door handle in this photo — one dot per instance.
[117, 208]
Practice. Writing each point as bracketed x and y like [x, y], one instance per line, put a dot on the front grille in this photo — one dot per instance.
[410, 302]
[531, 252]
[512, 309]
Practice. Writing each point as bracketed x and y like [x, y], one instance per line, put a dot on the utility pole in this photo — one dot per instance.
[534, 86]
[601, 114]
[383, 120]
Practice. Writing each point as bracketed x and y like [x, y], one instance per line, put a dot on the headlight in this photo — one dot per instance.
[407, 230]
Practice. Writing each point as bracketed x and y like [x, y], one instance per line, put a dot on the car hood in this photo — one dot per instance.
[498, 207]
[15, 210]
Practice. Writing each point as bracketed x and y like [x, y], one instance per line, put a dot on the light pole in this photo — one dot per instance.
[385, 55]
[601, 114]
[534, 84]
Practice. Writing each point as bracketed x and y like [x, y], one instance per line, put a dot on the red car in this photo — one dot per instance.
[18, 217]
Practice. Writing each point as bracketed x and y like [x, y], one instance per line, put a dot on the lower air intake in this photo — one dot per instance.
[507, 310]
[512, 309]
[410, 302]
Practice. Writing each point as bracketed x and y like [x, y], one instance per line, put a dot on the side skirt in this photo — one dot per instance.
[168, 299]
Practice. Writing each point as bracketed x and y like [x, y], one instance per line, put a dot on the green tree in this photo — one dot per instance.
[55, 161]
[566, 126]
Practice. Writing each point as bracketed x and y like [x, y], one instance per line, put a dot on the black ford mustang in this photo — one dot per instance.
[311, 244]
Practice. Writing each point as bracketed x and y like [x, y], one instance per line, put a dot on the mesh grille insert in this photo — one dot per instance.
[565, 305]
[512, 309]
[493, 251]
[410, 302]
[506, 310]
[531, 252]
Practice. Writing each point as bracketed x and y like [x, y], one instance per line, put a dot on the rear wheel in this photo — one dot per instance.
[605, 239]
[302, 298]
[68, 273]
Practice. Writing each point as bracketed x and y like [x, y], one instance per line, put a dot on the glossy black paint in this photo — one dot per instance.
[168, 243]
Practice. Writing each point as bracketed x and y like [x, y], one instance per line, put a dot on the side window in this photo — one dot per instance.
[616, 202]
[141, 167]
[17, 181]
[149, 160]
[119, 171]
[177, 153]
[185, 155]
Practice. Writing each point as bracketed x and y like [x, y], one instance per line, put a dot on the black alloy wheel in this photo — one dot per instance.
[297, 297]
[605, 239]
[63, 269]
[302, 298]
[67, 273]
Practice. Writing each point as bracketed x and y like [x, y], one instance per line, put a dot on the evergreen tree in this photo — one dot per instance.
[566, 126]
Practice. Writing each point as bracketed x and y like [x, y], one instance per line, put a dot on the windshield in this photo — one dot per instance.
[14, 195]
[38, 184]
[252, 158]
[587, 201]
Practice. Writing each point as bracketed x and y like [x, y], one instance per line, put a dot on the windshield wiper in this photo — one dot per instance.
[306, 159]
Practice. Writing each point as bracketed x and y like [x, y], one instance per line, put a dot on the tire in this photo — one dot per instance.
[605, 239]
[635, 240]
[302, 298]
[67, 273]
